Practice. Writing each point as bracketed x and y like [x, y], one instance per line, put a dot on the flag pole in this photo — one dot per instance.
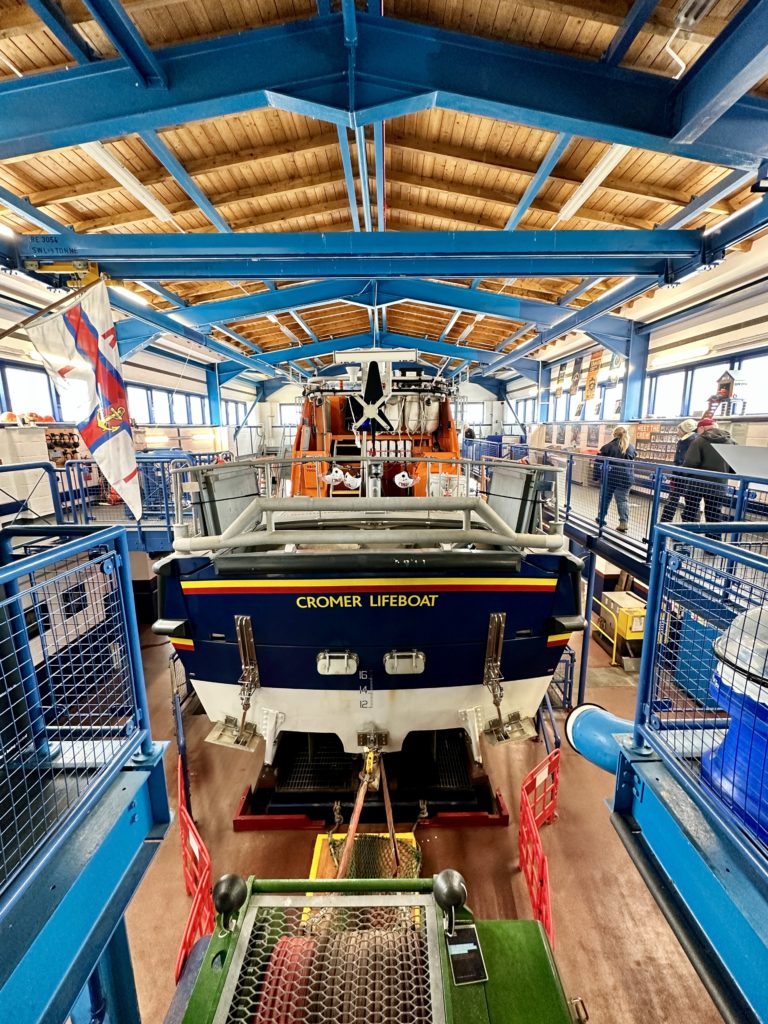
[70, 297]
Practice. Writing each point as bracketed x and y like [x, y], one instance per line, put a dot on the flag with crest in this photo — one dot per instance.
[78, 347]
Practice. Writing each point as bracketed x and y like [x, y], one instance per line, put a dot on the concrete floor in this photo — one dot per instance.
[613, 947]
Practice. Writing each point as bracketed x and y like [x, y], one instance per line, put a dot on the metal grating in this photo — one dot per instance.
[333, 964]
[67, 704]
[708, 706]
[373, 857]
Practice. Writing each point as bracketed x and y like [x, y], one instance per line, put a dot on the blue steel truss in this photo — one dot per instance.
[398, 68]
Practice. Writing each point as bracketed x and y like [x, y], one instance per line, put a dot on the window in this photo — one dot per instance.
[703, 386]
[73, 400]
[472, 413]
[138, 404]
[290, 414]
[179, 408]
[161, 408]
[754, 389]
[233, 413]
[668, 401]
[197, 410]
[28, 391]
[560, 408]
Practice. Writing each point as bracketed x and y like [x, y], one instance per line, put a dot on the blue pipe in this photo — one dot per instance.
[591, 731]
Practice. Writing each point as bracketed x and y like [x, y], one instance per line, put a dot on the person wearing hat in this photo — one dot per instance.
[686, 432]
[705, 453]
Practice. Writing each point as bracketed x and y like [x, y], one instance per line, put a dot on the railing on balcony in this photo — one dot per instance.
[622, 500]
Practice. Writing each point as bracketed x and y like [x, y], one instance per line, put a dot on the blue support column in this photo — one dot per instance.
[214, 396]
[634, 382]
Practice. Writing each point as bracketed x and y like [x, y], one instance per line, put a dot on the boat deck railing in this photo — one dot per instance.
[249, 503]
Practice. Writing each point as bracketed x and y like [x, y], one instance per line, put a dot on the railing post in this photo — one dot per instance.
[568, 485]
[602, 509]
[132, 636]
[587, 634]
[654, 517]
[647, 660]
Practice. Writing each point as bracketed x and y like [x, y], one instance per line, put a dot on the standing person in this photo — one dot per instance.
[686, 432]
[469, 434]
[705, 453]
[620, 476]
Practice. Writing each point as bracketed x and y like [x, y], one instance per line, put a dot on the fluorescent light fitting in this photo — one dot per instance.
[127, 179]
[7, 232]
[680, 355]
[128, 294]
[607, 162]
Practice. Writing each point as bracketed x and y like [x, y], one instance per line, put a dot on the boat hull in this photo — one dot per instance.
[370, 609]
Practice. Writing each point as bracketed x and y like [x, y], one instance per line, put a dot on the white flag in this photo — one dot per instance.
[78, 346]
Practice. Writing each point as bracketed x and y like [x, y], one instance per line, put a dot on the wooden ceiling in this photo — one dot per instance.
[269, 170]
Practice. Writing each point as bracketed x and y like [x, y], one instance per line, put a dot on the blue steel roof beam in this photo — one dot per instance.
[362, 170]
[302, 66]
[302, 324]
[460, 368]
[387, 339]
[496, 304]
[637, 15]
[160, 323]
[349, 175]
[164, 293]
[119, 28]
[514, 337]
[380, 164]
[384, 254]
[173, 165]
[558, 146]
[57, 22]
[733, 64]
[619, 348]
[451, 324]
[283, 300]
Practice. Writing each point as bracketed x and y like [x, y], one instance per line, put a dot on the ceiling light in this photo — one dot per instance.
[607, 162]
[679, 355]
[7, 232]
[128, 294]
[127, 179]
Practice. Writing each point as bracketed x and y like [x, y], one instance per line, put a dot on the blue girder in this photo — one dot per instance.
[400, 68]
[376, 254]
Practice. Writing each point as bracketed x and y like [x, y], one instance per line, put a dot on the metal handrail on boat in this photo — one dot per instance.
[255, 525]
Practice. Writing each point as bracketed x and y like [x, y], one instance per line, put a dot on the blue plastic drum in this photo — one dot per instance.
[737, 770]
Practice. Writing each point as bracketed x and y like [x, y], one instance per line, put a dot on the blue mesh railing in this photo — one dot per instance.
[73, 705]
[703, 689]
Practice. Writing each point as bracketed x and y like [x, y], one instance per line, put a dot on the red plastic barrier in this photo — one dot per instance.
[540, 788]
[196, 864]
[538, 804]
